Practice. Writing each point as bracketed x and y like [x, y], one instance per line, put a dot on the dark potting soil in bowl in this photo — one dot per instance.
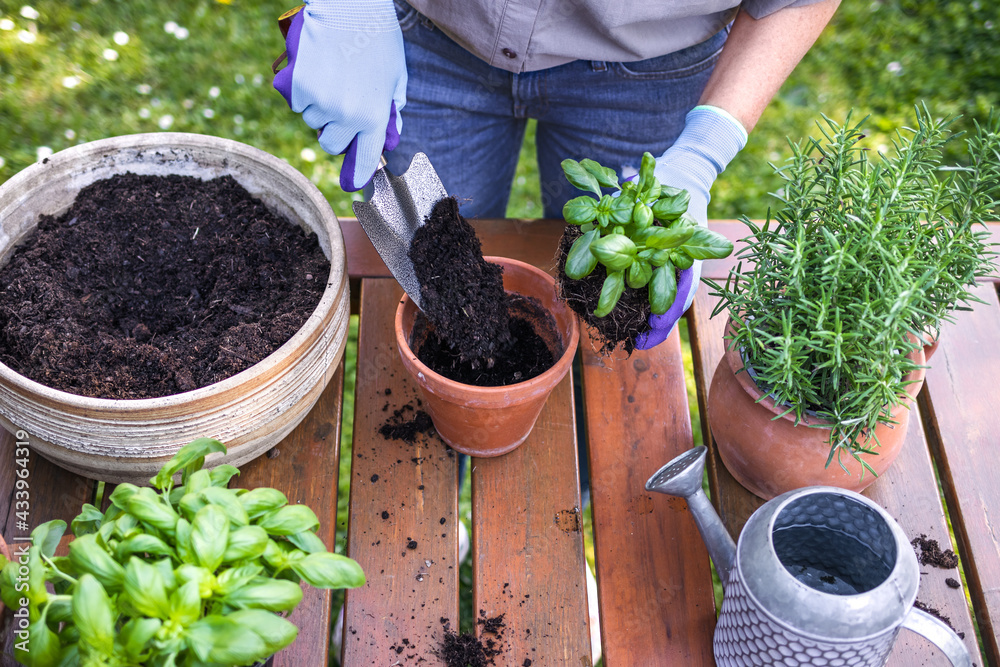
[154, 285]
[470, 330]
[629, 318]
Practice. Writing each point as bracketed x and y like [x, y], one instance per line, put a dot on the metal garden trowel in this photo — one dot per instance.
[394, 207]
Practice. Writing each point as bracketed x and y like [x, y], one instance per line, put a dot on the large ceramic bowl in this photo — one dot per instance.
[128, 440]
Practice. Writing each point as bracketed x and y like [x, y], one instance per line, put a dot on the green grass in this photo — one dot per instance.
[60, 85]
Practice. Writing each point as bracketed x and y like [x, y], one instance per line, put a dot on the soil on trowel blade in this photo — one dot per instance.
[154, 285]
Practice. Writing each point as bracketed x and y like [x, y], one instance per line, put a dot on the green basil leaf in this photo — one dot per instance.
[642, 216]
[646, 169]
[581, 179]
[245, 542]
[123, 527]
[260, 501]
[9, 584]
[185, 603]
[663, 288]
[230, 504]
[207, 582]
[620, 210]
[136, 634]
[580, 210]
[611, 291]
[681, 259]
[289, 520]
[190, 458]
[59, 610]
[166, 569]
[89, 557]
[614, 251]
[269, 594]
[145, 590]
[581, 261]
[672, 205]
[652, 193]
[120, 496]
[46, 536]
[275, 556]
[589, 227]
[92, 614]
[225, 641]
[149, 507]
[660, 257]
[276, 631]
[328, 570]
[142, 544]
[663, 238]
[209, 536]
[236, 577]
[606, 176]
[221, 474]
[198, 481]
[182, 537]
[88, 521]
[43, 646]
[37, 593]
[638, 274]
[706, 244]
[308, 541]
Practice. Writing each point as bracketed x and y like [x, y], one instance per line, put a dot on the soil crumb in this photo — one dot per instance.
[406, 424]
[462, 293]
[155, 285]
[630, 316]
[467, 650]
[930, 553]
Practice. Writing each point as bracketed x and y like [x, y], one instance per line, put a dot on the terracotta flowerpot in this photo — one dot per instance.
[129, 440]
[490, 421]
[771, 456]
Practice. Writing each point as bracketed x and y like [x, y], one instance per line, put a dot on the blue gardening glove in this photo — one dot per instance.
[346, 75]
[710, 139]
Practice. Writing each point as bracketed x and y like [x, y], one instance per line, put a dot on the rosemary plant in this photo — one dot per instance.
[865, 258]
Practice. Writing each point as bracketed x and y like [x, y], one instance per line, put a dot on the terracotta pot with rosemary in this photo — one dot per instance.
[834, 294]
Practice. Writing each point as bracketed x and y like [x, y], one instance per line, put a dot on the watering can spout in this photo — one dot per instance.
[682, 477]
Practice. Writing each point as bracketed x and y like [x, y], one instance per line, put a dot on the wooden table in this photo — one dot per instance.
[656, 596]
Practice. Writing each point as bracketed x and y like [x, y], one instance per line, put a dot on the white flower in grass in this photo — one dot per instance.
[308, 154]
[2, 162]
[71, 81]
[188, 104]
[258, 79]
[155, 102]
[208, 113]
[121, 38]
[144, 89]
[43, 152]
[170, 27]
[29, 13]
[165, 121]
[181, 33]
[70, 135]
[238, 119]
[27, 37]
[110, 54]
[988, 25]
[894, 67]
[214, 92]
[144, 113]
[6, 24]
[240, 79]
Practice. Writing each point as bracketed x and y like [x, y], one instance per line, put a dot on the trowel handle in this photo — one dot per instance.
[382, 164]
[369, 189]
[938, 633]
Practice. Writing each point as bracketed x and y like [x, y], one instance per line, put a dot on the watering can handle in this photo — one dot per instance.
[938, 633]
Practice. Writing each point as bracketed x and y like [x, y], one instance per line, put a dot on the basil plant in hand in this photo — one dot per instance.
[176, 576]
[641, 234]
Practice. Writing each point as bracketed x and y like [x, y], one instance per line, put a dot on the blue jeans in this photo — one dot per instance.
[469, 118]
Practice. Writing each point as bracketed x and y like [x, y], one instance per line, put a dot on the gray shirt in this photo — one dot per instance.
[528, 35]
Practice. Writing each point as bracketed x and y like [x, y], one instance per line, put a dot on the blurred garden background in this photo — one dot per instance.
[73, 71]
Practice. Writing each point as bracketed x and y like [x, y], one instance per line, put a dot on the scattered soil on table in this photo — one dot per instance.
[931, 554]
[467, 650]
[936, 613]
[406, 423]
[462, 293]
[629, 318]
[154, 285]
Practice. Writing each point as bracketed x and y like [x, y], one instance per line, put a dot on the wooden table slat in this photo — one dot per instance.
[654, 578]
[527, 543]
[907, 491]
[962, 391]
[396, 617]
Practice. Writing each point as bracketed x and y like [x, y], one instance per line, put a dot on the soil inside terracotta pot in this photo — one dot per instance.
[629, 318]
[470, 330]
[154, 285]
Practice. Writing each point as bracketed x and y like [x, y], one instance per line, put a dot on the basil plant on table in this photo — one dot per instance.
[642, 234]
[185, 576]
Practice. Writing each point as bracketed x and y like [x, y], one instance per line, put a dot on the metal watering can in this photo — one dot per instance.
[821, 576]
